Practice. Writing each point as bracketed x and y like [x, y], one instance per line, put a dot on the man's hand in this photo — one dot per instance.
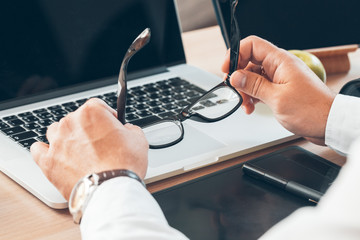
[299, 100]
[89, 140]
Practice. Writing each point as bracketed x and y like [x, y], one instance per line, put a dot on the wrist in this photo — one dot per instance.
[86, 186]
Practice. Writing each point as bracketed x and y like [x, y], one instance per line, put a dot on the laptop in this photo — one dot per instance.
[54, 55]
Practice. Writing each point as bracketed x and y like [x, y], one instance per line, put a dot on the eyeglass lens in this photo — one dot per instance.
[212, 106]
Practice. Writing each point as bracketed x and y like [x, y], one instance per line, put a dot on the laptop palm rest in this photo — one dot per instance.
[195, 143]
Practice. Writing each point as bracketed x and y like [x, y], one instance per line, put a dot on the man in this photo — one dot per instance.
[92, 140]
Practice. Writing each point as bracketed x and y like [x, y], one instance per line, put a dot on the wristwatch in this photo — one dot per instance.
[85, 187]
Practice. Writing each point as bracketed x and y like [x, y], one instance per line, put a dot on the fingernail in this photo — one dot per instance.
[238, 79]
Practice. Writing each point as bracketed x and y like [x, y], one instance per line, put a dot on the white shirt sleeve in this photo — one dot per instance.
[121, 208]
[343, 124]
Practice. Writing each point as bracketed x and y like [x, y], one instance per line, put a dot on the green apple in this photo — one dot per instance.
[312, 62]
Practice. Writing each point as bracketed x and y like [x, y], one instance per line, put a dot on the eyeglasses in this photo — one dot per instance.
[216, 104]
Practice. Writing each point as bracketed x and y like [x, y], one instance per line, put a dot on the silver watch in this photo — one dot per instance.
[85, 187]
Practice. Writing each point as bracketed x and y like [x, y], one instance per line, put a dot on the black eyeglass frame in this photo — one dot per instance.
[186, 114]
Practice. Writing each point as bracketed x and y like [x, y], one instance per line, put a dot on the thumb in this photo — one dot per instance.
[252, 84]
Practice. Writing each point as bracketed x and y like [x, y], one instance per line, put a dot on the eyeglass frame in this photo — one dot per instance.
[141, 41]
[186, 114]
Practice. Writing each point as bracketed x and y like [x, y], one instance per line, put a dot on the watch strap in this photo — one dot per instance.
[106, 175]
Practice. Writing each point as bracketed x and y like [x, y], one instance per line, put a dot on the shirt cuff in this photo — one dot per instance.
[343, 124]
[123, 207]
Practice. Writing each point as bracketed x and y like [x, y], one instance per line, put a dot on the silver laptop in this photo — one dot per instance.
[54, 55]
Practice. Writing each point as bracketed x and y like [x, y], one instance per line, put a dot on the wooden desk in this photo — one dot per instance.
[22, 216]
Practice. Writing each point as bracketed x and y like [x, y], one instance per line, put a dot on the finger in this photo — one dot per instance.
[258, 51]
[132, 127]
[38, 150]
[102, 103]
[52, 131]
[253, 84]
[226, 64]
[95, 111]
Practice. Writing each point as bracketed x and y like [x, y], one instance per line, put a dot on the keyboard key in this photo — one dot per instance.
[68, 104]
[130, 102]
[130, 110]
[58, 112]
[32, 126]
[113, 105]
[167, 114]
[9, 118]
[13, 130]
[27, 143]
[131, 117]
[111, 99]
[182, 103]
[145, 121]
[141, 107]
[81, 101]
[179, 97]
[71, 108]
[44, 115]
[54, 107]
[15, 122]
[143, 113]
[169, 106]
[139, 93]
[3, 125]
[157, 110]
[41, 131]
[151, 89]
[30, 118]
[43, 139]
[24, 135]
[45, 122]
[166, 100]
[154, 103]
[25, 114]
[57, 118]
[142, 99]
[39, 110]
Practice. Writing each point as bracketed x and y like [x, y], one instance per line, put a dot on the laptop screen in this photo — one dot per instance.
[59, 44]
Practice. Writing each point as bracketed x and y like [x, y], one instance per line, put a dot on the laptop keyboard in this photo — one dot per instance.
[145, 104]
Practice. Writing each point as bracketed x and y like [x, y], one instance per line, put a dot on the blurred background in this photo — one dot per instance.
[196, 14]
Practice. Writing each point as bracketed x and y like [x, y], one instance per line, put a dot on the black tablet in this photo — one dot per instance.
[288, 24]
[230, 205]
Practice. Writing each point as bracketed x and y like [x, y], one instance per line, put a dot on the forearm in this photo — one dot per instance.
[122, 208]
[343, 124]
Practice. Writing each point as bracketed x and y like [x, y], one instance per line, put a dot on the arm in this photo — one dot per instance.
[89, 140]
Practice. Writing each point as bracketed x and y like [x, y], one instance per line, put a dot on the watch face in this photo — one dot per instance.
[78, 197]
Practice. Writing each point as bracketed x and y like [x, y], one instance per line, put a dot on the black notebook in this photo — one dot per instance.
[230, 205]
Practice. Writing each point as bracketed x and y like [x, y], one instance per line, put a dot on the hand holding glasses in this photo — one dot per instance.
[216, 104]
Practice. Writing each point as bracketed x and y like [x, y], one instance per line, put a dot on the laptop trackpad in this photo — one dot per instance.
[194, 143]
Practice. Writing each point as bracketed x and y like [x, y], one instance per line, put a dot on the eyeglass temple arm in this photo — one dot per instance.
[234, 39]
[137, 44]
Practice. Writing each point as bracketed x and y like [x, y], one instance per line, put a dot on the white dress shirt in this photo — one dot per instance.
[122, 208]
